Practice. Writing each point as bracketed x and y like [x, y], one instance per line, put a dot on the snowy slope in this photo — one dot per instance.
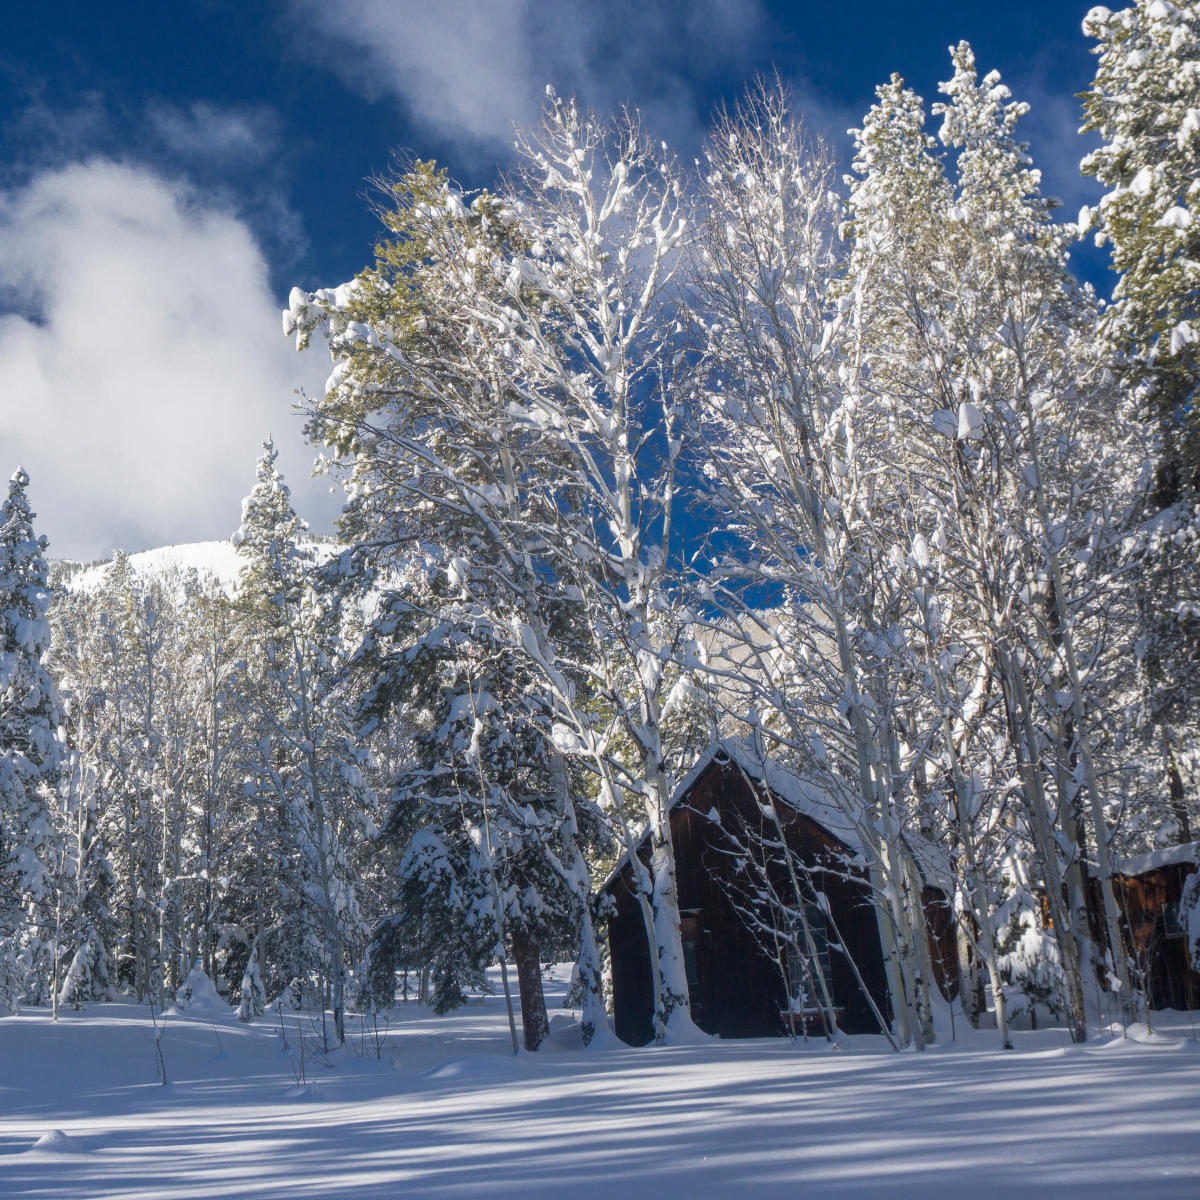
[218, 560]
[449, 1112]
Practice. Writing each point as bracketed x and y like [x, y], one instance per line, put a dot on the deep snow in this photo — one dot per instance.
[448, 1111]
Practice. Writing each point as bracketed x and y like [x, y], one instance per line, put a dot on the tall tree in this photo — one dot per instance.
[587, 340]
[30, 754]
[419, 408]
[87, 929]
[795, 457]
[310, 760]
[1145, 103]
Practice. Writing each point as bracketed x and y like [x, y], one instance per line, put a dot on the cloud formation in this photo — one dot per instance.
[141, 360]
[1052, 130]
[468, 69]
[211, 133]
[237, 155]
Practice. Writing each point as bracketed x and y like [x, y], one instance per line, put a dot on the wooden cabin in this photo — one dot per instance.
[1148, 890]
[743, 979]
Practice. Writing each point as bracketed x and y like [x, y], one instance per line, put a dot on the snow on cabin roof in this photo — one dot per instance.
[801, 797]
[1166, 856]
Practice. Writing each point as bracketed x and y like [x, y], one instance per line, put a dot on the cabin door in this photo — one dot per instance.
[691, 933]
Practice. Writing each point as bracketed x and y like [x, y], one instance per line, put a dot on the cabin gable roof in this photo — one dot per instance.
[792, 793]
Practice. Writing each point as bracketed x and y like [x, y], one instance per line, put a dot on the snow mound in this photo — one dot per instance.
[482, 1066]
[566, 1033]
[683, 1031]
[1135, 1036]
[198, 995]
[57, 1142]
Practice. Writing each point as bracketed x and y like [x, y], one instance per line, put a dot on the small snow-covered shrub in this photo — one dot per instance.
[254, 997]
[197, 993]
[1029, 958]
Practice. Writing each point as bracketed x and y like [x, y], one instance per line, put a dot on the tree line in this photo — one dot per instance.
[637, 459]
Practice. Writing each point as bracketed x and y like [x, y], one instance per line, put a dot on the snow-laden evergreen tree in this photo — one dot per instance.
[475, 811]
[1030, 956]
[309, 763]
[87, 931]
[1071, 456]
[1015, 466]
[917, 313]
[30, 754]
[1145, 103]
[420, 409]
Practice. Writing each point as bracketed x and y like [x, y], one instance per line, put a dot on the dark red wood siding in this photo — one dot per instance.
[738, 991]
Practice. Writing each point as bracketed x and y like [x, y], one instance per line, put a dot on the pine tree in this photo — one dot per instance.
[444, 479]
[88, 933]
[1037, 386]
[309, 763]
[1145, 103]
[982, 346]
[475, 812]
[29, 748]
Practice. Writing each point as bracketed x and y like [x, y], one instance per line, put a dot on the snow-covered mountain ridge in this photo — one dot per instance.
[219, 561]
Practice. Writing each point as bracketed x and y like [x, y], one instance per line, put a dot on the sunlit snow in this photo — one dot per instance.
[447, 1110]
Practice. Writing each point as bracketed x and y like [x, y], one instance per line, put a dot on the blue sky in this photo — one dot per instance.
[168, 172]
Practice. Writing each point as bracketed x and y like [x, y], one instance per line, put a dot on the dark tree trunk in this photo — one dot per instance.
[1178, 800]
[534, 1022]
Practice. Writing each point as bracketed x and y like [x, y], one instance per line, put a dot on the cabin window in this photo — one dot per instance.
[803, 983]
[1170, 919]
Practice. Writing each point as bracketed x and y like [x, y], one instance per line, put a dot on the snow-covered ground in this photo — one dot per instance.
[448, 1111]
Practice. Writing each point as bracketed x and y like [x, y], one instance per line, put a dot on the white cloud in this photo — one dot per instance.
[212, 133]
[141, 361]
[1052, 129]
[469, 69]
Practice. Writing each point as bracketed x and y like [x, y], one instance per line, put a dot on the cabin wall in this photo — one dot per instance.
[941, 929]
[736, 983]
[633, 993]
[737, 991]
[1149, 904]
